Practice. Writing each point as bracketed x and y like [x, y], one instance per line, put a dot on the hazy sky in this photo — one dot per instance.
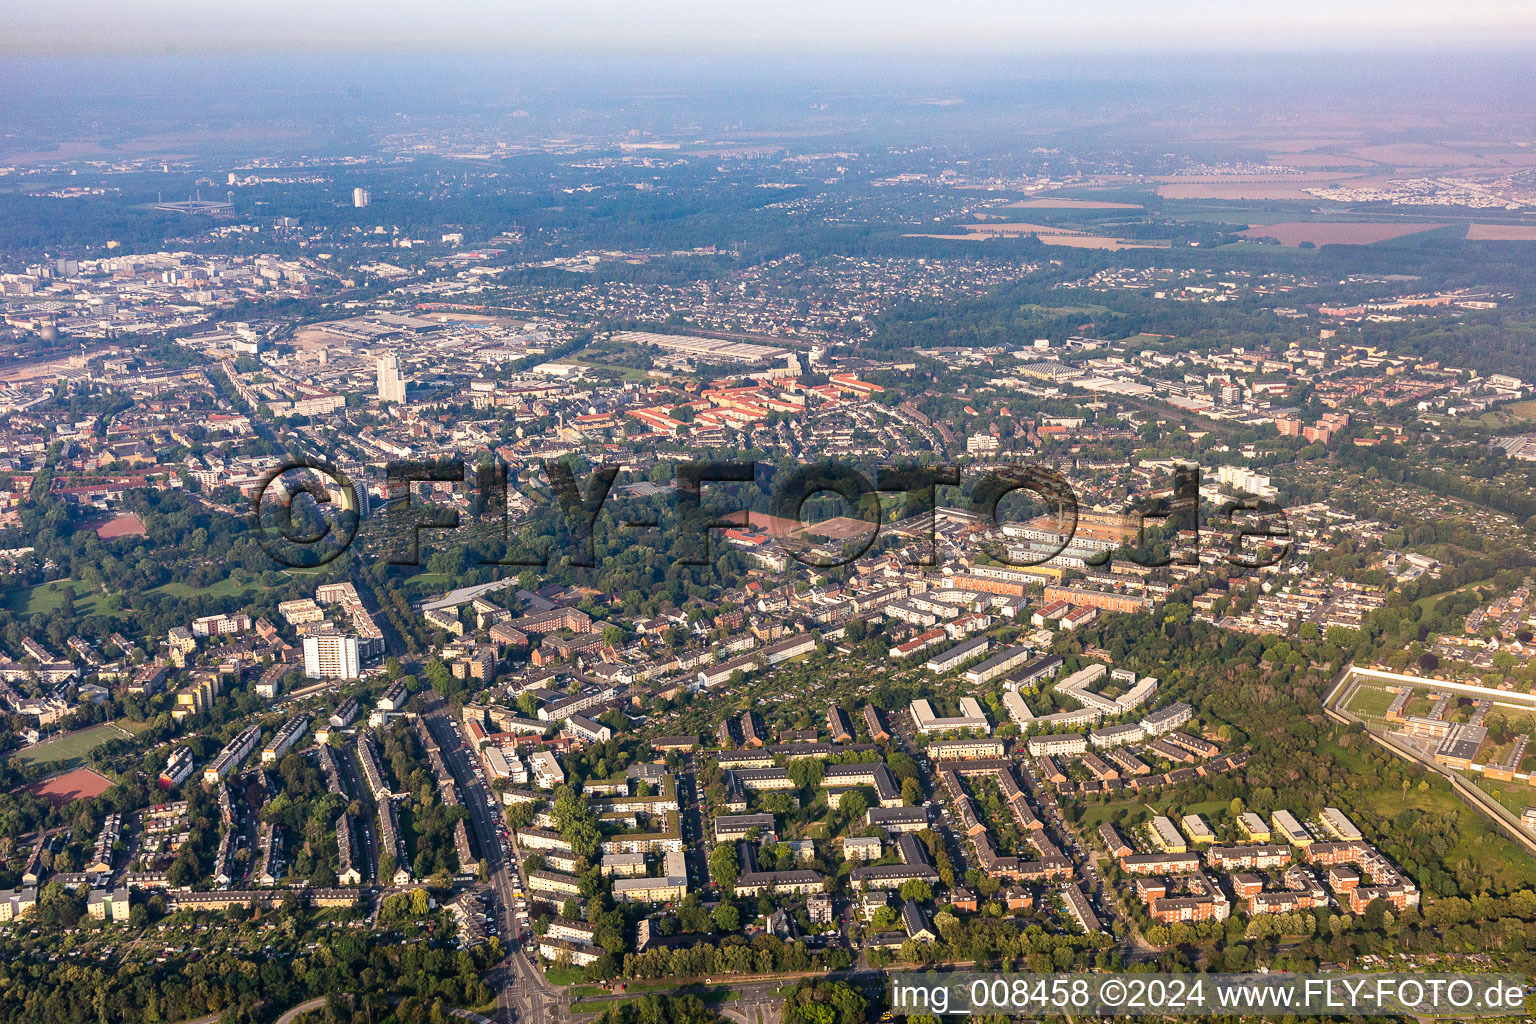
[639, 26]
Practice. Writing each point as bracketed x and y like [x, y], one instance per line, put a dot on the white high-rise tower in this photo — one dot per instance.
[331, 655]
[391, 382]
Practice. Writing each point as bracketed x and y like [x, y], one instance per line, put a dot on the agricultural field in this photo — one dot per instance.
[1058, 203]
[1048, 234]
[1234, 191]
[1295, 233]
[1501, 233]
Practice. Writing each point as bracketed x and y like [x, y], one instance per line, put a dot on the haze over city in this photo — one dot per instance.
[690, 25]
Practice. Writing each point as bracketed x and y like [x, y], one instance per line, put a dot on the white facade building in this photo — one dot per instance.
[331, 655]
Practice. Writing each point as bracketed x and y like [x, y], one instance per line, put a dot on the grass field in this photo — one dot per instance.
[41, 599]
[427, 582]
[1095, 815]
[1061, 203]
[232, 586]
[1516, 796]
[1514, 414]
[50, 597]
[1065, 310]
[97, 603]
[1054, 235]
[628, 373]
[1371, 702]
[71, 748]
[1428, 602]
[1480, 841]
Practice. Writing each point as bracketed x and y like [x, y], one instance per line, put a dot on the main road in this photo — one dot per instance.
[522, 993]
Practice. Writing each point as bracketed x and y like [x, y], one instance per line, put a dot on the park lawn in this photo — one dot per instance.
[96, 603]
[563, 975]
[1095, 815]
[1426, 603]
[41, 599]
[45, 598]
[1515, 414]
[71, 748]
[628, 373]
[237, 585]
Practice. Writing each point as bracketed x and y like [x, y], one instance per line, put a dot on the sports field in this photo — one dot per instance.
[72, 747]
[79, 784]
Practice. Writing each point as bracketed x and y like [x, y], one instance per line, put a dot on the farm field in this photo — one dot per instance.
[1294, 233]
[1234, 190]
[1501, 233]
[1319, 161]
[1049, 203]
[1047, 234]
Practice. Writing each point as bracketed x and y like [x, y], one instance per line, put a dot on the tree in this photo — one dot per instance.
[917, 890]
[911, 792]
[726, 917]
[806, 773]
[825, 1002]
[902, 766]
[577, 825]
[723, 866]
[184, 870]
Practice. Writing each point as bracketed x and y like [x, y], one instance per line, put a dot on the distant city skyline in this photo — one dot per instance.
[987, 26]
